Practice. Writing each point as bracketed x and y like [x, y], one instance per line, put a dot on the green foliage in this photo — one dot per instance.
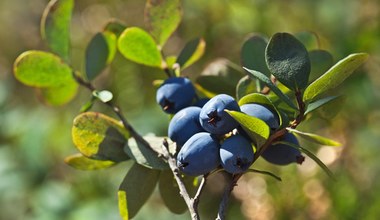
[59, 95]
[80, 162]
[288, 60]
[55, 26]
[319, 103]
[135, 189]
[99, 53]
[137, 45]
[321, 61]
[245, 86]
[163, 18]
[192, 52]
[169, 192]
[253, 54]
[334, 76]
[315, 138]
[100, 137]
[256, 128]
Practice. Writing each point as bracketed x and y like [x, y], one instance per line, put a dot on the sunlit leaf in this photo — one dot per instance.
[99, 53]
[59, 95]
[315, 138]
[163, 18]
[245, 86]
[98, 136]
[288, 60]
[144, 155]
[55, 26]
[315, 105]
[114, 26]
[192, 51]
[334, 76]
[135, 189]
[137, 45]
[42, 69]
[310, 155]
[80, 162]
[170, 194]
[256, 128]
[272, 86]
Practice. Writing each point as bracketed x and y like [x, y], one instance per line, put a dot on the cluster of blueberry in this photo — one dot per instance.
[204, 133]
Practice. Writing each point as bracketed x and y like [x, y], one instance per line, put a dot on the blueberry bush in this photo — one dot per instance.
[222, 121]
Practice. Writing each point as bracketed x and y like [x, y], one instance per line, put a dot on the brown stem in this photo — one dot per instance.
[226, 197]
[301, 108]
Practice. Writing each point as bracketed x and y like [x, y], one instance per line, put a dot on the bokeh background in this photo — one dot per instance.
[35, 138]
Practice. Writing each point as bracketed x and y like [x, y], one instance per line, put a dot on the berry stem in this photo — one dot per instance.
[226, 197]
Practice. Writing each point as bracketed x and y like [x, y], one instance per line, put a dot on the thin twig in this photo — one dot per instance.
[226, 197]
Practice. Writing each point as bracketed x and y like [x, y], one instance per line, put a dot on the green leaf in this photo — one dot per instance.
[256, 128]
[315, 138]
[99, 53]
[80, 162]
[244, 87]
[192, 51]
[265, 173]
[98, 136]
[146, 156]
[135, 190]
[309, 39]
[288, 60]
[321, 61]
[104, 95]
[59, 95]
[263, 78]
[55, 26]
[315, 105]
[114, 26]
[170, 194]
[163, 18]
[253, 54]
[42, 69]
[137, 45]
[334, 76]
[311, 155]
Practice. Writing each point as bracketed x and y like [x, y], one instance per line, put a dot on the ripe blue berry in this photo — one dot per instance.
[201, 102]
[184, 124]
[214, 119]
[199, 155]
[282, 154]
[261, 112]
[175, 94]
[236, 154]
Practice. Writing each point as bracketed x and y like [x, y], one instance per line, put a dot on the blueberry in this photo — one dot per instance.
[214, 119]
[236, 154]
[175, 94]
[199, 155]
[262, 112]
[201, 102]
[184, 124]
[282, 154]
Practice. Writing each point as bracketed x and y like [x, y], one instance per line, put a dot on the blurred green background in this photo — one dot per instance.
[34, 138]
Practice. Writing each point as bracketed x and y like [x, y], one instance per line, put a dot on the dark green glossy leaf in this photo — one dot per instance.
[192, 51]
[256, 128]
[144, 155]
[80, 162]
[315, 138]
[163, 18]
[55, 26]
[136, 188]
[334, 76]
[98, 136]
[315, 105]
[137, 45]
[253, 54]
[59, 95]
[170, 194]
[244, 87]
[288, 60]
[310, 155]
[321, 61]
[42, 69]
[99, 53]
[273, 87]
